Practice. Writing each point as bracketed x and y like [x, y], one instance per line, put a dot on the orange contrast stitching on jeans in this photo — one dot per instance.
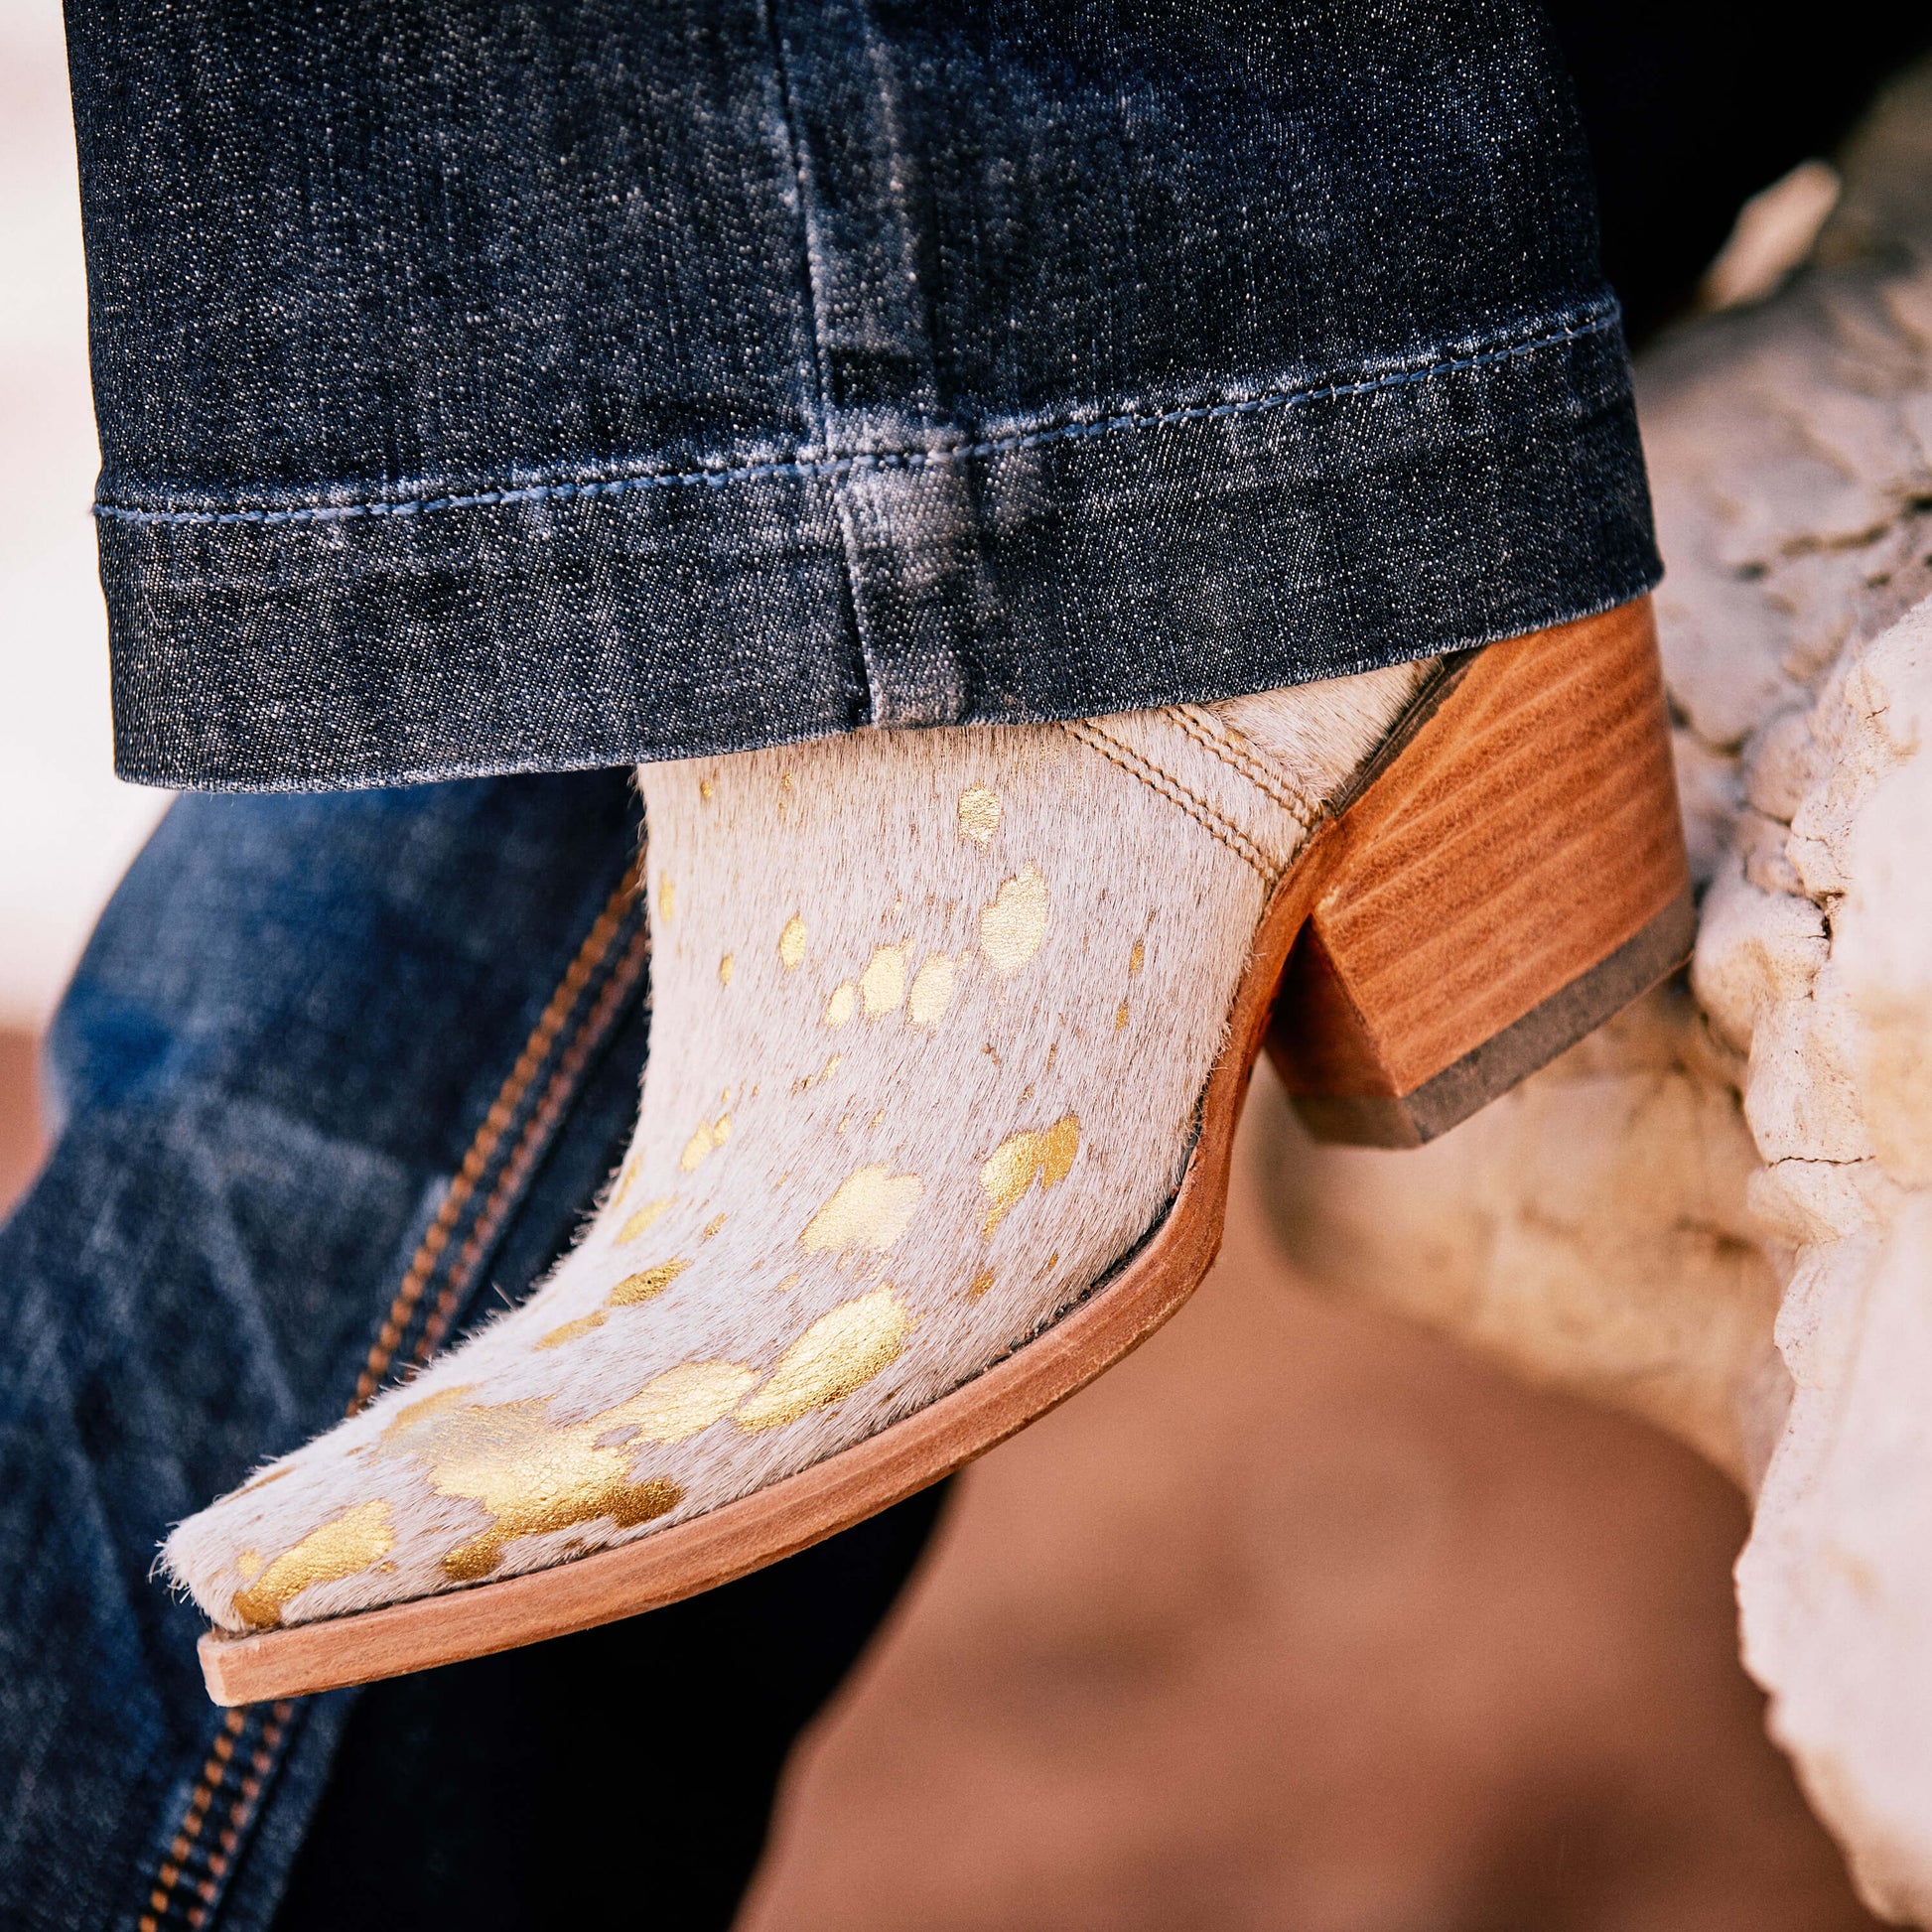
[596, 943]
[1198, 808]
[261, 1761]
[623, 978]
[195, 1816]
[482, 1149]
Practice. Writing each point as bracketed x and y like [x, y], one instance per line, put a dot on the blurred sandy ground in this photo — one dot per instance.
[1300, 1620]
[1303, 1621]
[67, 828]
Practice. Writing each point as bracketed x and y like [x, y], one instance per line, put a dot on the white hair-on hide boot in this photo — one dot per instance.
[949, 1034]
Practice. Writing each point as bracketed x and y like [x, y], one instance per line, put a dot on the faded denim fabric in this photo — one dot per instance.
[336, 1073]
[494, 385]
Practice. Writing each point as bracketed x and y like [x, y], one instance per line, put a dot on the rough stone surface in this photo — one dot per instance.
[1717, 1212]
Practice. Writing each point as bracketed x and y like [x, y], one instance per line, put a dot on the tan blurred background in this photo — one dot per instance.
[67, 828]
[1301, 1619]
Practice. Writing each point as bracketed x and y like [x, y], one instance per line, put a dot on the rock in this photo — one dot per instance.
[1717, 1212]
[1517, 1233]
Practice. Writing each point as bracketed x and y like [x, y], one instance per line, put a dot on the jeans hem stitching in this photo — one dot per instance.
[808, 469]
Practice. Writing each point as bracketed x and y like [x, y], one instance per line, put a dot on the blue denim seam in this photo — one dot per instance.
[875, 461]
[813, 328]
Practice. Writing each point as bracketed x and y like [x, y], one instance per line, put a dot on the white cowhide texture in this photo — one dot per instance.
[932, 1014]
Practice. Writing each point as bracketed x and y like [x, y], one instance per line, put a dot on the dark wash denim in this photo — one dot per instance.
[494, 385]
[308, 1033]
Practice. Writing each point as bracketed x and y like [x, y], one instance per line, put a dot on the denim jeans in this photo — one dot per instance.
[494, 385]
[336, 1073]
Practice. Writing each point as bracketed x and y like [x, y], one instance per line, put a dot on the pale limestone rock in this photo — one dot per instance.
[1516, 1231]
[1799, 1097]
[1835, 1584]
[1717, 1212]
[1758, 949]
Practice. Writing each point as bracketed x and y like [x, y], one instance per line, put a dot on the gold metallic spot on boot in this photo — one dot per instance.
[343, 1547]
[981, 1283]
[676, 1404]
[533, 1475]
[642, 1219]
[666, 896]
[582, 1325]
[840, 1352]
[711, 1228]
[645, 1285]
[806, 1081]
[882, 986]
[1012, 928]
[870, 1208]
[792, 944]
[838, 1009]
[710, 1136]
[979, 813]
[724, 966]
[1045, 1154]
[931, 994]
